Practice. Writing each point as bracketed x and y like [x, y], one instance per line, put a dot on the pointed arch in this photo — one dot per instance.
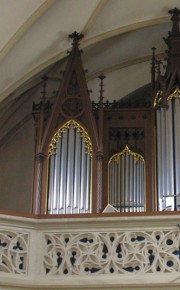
[127, 181]
[69, 170]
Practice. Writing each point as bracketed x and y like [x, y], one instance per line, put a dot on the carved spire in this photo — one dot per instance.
[167, 83]
[175, 21]
[153, 69]
[101, 77]
[73, 101]
[43, 98]
[173, 43]
[76, 37]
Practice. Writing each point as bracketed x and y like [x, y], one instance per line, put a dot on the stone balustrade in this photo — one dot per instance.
[90, 251]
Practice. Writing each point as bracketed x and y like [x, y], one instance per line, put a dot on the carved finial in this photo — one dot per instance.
[100, 125]
[101, 77]
[76, 37]
[175, 19]
[153, 68]
[158, 63]
[43, 98]
[153, 52]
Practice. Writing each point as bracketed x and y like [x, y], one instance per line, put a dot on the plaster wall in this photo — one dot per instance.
[16, 169]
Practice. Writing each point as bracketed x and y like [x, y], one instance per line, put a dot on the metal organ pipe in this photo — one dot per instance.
[131, 184]
[140, 185]
[63, 153]
[69, 170]
[64, 170]
[58, 177]
[163, 149]
[169, 157]
[126, 198]
[117, 192]
[177, 145]
[123, 184]
[77, 173]
[55, 185]
[134, 186]
[87, 195]
[159, 158]
[51, 184]
[82, 178]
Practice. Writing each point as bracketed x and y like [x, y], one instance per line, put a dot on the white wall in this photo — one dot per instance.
[16, 169]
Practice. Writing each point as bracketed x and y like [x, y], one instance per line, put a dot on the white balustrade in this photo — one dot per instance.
[82, 252]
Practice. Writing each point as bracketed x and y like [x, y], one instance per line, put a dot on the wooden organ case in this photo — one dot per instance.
[90, 154]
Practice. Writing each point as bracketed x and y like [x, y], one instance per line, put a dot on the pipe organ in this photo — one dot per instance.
[167, 114]
[127, 181]
[168, 151]
[69, 176]
[131, 150]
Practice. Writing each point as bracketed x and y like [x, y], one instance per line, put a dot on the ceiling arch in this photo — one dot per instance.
[118, 34]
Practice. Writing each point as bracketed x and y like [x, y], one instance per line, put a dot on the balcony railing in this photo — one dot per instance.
[85, 251]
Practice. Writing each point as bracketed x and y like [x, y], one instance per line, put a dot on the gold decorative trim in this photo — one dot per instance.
[158, 98]
[137, 157]
[175, 94]
[61, 130]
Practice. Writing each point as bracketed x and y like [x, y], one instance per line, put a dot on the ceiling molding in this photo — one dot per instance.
[85, 43]
[30, 74]
[107, 70]
[124, 29]
[26, 25]
[94, 15]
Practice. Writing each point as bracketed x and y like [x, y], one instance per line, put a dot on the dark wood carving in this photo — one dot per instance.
[72, 102]
[168, 82]
[111, 126]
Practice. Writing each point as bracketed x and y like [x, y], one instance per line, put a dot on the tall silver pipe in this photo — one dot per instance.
[127, 180]
[55, 185]
[140, 185]
[177, 142]
[144, 184]
[117, 190]
[88, 170]
[61, 204]
[169, 169]
[64, 170]
[123, 184]
[135, 187]
[58, 157]
[69, 161]
[159, 158]
[131, 160]
[111, 183]
[51, 183]
[83, 155]
[163, 137]
[77, 172]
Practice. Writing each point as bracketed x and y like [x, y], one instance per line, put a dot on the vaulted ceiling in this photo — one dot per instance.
[118, 37]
